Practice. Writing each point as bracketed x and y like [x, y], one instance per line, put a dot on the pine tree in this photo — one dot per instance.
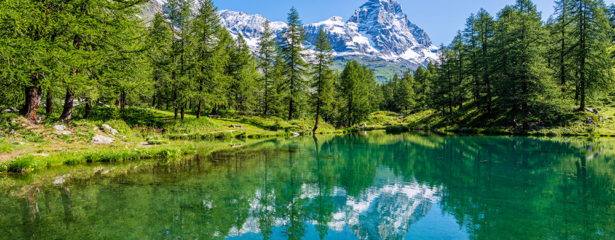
[179, 13]
[210, 55]
[295, 66]
[484, 26]
[27, 47]
[99, 35]
[591, 56]
[470, 55]
[527, 85]
[322, 75]
[267, 55]
[356, 87]
[160, 44]
[421, 77]
[242, 69]
[405, 94]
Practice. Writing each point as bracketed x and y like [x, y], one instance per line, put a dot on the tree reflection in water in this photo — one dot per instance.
[363, 187]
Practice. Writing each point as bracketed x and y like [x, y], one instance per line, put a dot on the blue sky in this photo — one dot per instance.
[439, 18]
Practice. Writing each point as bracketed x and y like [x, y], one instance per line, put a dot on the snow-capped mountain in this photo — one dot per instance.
[379, 29]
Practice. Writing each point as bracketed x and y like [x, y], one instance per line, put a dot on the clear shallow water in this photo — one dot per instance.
[346, 187]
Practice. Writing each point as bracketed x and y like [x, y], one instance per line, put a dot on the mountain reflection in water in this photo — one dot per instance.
[338, 187]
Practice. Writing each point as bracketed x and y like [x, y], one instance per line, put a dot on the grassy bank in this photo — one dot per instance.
[146, 133]
[470, 121]
[141, 134]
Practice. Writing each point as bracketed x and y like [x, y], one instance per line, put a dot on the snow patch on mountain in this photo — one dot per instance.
[378, 29]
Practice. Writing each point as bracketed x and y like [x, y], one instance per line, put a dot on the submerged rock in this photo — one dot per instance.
[98, 139]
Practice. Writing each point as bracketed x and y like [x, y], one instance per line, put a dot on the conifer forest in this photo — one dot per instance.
[64, 58]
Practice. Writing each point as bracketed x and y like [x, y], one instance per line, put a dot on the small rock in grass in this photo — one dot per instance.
[109, 129]
[21, 143]
[102, 140]
[60, 127]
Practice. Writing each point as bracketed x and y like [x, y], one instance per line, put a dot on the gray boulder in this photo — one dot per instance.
[590, 120]
[109, 129]
[591, 110]
[98, 139]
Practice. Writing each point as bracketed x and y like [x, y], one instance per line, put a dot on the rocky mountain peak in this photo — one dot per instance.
[378, 30]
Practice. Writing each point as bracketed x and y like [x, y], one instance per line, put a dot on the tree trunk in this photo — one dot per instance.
[30, 107]
[198, 111]
[123, 100]
[183, 112]
[88, 108]
[175, 104]
[67, 113]
[317, 114]
[154, 101]
[49, 102]
[290, 110]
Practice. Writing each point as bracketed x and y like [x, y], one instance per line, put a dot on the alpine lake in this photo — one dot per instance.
[362, 186]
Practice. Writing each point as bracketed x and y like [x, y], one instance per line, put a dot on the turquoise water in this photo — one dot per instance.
[372, 186]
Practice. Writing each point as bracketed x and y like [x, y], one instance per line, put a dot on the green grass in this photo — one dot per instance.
[167, 149]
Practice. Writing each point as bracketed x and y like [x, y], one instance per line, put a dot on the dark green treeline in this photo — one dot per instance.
[515, 65]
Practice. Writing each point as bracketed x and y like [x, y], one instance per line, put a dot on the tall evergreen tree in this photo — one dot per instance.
[295, 67]
[421, 77]
[267, 55]
[242, 69]
[404, 96]
[356, 88]
[210, 55]
[591, 56]
[528, 85]
[179, 13]
[484, 26]
[560, 53]
[322, 75]
[160, 44]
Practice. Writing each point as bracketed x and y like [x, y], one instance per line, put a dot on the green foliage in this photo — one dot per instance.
[190, 126]
[294, 67]
[357, 89]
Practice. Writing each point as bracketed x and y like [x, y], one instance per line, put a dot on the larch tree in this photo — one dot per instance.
[179, 14]
[210, 54]
[322, 75]
[295, 68]
[591, 56]
[528, 84]
[160, 46]
[404, 96]
[267, 52]
[96, 36]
